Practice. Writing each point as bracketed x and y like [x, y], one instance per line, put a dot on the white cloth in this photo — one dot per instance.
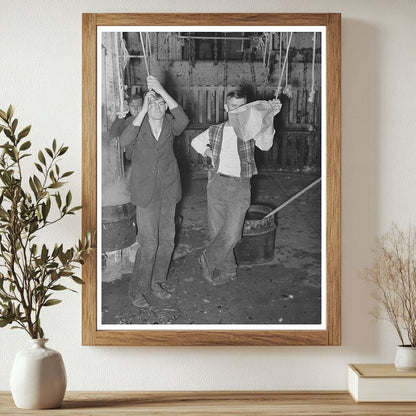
[254, 121]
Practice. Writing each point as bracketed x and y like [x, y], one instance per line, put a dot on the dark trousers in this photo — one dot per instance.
[228, 202]
[156, 233]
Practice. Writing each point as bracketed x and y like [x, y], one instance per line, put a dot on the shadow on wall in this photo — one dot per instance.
[361, 86]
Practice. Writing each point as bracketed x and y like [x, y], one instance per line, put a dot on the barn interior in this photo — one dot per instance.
[280, 275]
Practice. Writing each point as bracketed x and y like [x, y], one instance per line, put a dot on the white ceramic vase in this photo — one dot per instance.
[38, 377]
[405, 358]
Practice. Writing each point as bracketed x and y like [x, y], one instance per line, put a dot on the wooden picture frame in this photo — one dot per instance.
[331, 333]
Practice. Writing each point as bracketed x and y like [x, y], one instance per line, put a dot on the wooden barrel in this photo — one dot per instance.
[257, 244]
[118, 226]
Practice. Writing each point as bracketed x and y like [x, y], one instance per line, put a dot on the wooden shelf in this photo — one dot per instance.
[180, 403]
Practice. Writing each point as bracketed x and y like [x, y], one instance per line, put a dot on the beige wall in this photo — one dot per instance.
[40, 73]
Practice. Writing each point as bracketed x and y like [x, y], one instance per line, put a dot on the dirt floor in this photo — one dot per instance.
[285, 290]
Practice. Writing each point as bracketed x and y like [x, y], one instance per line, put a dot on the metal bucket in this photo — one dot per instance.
[118, 226]
[257, 244]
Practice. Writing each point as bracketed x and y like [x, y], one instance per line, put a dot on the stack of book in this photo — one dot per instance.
[381, 383]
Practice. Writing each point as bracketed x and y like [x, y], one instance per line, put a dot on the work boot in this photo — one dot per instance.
[169, 287]
[141, 302]
[207, 272]
[223, 278]
[160, 293]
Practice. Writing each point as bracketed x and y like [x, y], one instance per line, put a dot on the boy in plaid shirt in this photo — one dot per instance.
[228, 189]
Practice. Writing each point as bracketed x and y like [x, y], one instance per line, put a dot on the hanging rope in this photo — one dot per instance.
[124, 54]
[287, 90]
[287, 66]
[312, 94]
[121, 63]
[119, 76]
[269, 52]
[279, 86]
[149, 50]
[144, 54]
[225, 66]
[264, 49]
[167, 51]
[189, 63]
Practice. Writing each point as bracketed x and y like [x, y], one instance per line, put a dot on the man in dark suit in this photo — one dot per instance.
[155, 189]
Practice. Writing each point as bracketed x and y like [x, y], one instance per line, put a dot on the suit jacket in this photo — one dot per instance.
[155, 171]
[119, 125]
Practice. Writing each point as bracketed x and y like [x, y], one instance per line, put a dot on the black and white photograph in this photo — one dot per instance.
[211, 148]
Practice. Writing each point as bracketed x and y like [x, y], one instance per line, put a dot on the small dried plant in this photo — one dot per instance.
[393, 276]
[31, 273]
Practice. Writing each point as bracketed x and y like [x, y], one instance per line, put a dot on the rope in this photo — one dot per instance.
[264, 49]
[125, 56]
[279, 86]
[122, 62]
[167, 51]
[149, 49]
[287, 66]
[225, 66]
[270, 50]
[120, 84]
[144, 54]
[267, 52]
[312, 94]
[189, 63]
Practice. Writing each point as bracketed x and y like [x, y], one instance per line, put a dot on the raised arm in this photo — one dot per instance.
[154, 84]
[201, 144]
[264, 140]
[180, 119]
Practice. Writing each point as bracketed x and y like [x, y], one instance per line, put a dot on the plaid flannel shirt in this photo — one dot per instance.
[245, 151]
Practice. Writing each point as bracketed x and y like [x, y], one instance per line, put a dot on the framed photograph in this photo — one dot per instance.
[211, 172]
